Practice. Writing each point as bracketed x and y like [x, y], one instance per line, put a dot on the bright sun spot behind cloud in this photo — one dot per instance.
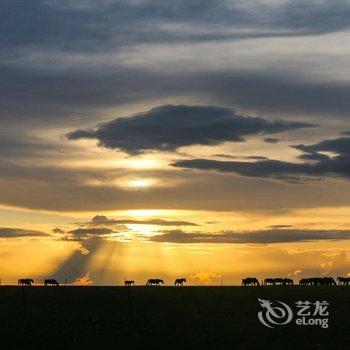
[141, 183]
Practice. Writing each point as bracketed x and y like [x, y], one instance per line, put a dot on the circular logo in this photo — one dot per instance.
[274, 313]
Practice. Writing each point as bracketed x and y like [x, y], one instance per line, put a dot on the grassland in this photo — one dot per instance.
[167, 317]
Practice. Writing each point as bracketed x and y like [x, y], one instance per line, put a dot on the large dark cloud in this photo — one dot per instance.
[321, 165]
[249, 90]
[93, 26]
[76, 95]
[167, 128]
[9, 232]
[254, 237]
[37, 39]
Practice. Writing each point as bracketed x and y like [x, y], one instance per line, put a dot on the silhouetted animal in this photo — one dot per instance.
[250, 281]
[327, 281]
[304, 282]
[343, 280]
[25, 281]
[154, 282]
[180, 281]
[51, 282]
[268, 281]
[287, 282]
[317, 281]
[278, 281]
[129, 283]
[312, 281]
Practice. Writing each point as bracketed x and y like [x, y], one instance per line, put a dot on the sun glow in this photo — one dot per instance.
[147, 230]
[141, 183]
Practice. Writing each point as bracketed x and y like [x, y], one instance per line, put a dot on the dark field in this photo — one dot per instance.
[194, 317]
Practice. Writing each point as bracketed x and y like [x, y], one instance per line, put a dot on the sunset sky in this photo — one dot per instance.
[204, 139]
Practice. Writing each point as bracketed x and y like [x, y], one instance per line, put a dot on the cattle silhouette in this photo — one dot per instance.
[51, 282]
[250, 281]
[154, 282]
[344, 281]
[180, 281]
[25, 281]
[129, 283]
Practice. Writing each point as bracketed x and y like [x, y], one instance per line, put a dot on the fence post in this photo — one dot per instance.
[24, 301]
[131, 311]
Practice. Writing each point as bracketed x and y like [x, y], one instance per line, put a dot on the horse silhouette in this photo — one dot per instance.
[322, 281]
[304, 282]
[343, 280]
[25, 281]
[317, 281]
[269, 281]
[129, 283]
[328, 281]
[154, 282]
[51, 282]
[250, 281]
[288, 282]
[313, 281]
[278, 281]
[180, 281]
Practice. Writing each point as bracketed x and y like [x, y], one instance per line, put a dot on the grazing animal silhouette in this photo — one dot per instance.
[304, 282]
[25, 281]
[129, 283]
[278, 281]
[317, 281]
[250, 281]
[51, 282]
[154, 282]
[269, 281]
[288, 282]
[343, 280]
[327, 281]
[180, 281]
